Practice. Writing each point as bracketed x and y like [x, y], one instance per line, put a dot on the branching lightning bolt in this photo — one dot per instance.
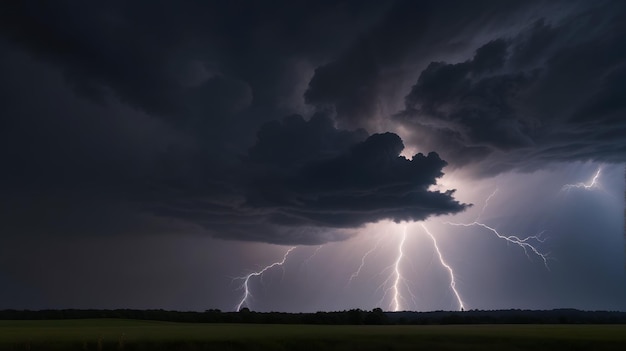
[443, 263]
[524, 243]
[513, 239]
[592, 183]
[247, 277]
[396, 283]
[395, 279]
[358, 271]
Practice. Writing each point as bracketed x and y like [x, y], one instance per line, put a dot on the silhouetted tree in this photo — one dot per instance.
[377, 316]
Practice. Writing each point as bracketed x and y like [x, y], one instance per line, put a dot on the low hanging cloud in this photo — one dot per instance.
[307, 182]
[311, 174]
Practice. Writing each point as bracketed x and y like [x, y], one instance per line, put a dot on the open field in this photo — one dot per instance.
[113, 334]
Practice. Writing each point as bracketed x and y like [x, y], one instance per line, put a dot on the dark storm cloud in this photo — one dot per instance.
[135, 118]
[199, 78]
[553, 92]
[467, 109]
[73, 168]
[309, 173]
[192, 63]
[357, 83]
[154, 139]
[305, 182]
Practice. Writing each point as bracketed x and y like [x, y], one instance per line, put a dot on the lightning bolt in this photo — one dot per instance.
[395, 279]
[247, 294]
[447, 266]
[524, 243]
[358, 271]
[398, 279]
[592, 183]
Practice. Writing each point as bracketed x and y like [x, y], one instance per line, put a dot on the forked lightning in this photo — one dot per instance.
[246, 278]
[592, 183]
[447, 266]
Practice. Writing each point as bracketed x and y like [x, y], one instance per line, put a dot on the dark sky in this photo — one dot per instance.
[154, 151]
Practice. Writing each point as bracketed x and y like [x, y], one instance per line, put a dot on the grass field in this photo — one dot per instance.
[114, 334]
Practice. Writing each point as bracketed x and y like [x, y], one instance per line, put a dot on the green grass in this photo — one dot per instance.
[114, 334]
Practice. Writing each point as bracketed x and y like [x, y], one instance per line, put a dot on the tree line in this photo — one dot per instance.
[347, 317]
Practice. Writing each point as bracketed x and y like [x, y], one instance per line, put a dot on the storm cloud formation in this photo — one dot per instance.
[304, 181]
[134, 118]
[310, 173]
[549, 93]
[546, 91]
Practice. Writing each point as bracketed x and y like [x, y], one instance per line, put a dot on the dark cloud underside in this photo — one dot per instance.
[135, 118]
[312, 181]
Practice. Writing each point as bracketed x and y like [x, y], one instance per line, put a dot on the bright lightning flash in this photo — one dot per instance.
[592, 183]
[443, 263]
[396, 283]
[395, 279]
[247, 294]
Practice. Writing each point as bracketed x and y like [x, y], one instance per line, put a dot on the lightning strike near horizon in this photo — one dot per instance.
[247, 277]
[395, 280]
[358, 271]
[396, 283]
[447, 266]
[592, 183]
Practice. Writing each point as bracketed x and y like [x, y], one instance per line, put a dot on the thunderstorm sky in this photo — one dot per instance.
[313, 155]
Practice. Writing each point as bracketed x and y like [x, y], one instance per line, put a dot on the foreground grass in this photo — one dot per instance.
[114, 334]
